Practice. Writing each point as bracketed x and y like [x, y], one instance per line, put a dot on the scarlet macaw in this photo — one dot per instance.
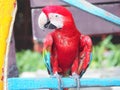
[66, 50]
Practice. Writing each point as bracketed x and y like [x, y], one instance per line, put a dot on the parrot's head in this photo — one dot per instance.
[55, 17]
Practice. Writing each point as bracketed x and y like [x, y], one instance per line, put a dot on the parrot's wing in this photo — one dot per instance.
[85, 53]
[46, 58]
[48, 41]
[84, 70]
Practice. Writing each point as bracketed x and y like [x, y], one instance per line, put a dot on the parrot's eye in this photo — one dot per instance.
[56, 19]
[56, 15]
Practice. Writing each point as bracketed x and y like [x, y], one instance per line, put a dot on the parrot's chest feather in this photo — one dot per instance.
[64, 41]
[66, 49]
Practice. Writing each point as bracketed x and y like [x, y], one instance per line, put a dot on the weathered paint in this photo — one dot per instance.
[88, 7]
[32, 83]
[7, 16]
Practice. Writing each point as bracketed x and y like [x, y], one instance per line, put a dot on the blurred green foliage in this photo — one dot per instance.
[104, 55]
[28, 60]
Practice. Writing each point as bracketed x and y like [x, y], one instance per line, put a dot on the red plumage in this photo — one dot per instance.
[70, 50]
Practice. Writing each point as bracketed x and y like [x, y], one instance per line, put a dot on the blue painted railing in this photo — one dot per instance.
[39, 83]
[92, 9]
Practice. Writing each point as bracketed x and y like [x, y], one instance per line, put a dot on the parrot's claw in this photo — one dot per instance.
[56, 75]
[76, 77]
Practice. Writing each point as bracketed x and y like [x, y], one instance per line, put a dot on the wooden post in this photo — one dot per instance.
[7, 16]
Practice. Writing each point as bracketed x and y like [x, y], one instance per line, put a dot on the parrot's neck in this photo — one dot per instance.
[69, 31]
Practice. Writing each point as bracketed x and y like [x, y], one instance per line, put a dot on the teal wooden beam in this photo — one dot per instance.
[37, 83]
[92, 9]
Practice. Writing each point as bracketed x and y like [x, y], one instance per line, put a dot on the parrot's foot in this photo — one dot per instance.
[76, 77]
[56, 75]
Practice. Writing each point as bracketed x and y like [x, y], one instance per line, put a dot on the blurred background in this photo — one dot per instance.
[105, 37]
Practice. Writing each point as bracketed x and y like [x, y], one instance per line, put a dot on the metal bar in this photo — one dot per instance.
[37, 83]
[92, 9]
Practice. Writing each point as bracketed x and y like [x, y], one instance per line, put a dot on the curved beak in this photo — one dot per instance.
[44, 22]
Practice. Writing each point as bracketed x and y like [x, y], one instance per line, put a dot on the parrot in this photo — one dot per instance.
[66, 51]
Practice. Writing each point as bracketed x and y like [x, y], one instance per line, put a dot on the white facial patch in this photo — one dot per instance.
[56, 19]
[42, 20]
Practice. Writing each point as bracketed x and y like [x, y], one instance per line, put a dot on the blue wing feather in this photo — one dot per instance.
[90, 58]
[46, 57]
